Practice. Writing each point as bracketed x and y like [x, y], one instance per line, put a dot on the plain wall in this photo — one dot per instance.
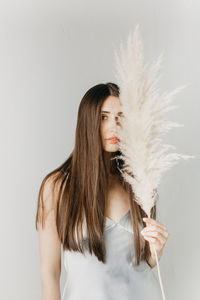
[51, 53]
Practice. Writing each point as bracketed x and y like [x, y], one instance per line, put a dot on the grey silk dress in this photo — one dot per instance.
[119, 278]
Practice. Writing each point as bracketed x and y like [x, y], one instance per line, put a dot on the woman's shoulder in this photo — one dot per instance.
[51, 184]
[49, 191]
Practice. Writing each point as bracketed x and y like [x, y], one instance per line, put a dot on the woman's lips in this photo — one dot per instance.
[113, 140]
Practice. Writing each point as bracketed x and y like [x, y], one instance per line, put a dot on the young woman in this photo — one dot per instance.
[86, 206]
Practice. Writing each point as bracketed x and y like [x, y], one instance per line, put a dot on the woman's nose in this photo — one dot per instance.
[113, 123]
[116, 121]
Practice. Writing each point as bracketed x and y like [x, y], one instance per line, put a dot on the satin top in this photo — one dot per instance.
[119, 278]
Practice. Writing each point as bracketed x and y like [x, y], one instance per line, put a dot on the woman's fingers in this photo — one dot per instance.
[155, 230]
[152, 222]
[155, 233]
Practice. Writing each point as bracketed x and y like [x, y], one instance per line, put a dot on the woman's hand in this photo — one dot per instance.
[157, 235]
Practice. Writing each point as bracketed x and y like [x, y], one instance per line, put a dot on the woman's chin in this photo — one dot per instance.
[111, 148]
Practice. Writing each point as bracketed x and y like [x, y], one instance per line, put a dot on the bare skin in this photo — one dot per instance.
[50, 251]
[117, 202]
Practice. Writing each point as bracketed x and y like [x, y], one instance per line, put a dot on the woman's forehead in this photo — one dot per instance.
[111, 104]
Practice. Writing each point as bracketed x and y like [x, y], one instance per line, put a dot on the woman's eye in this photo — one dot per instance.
[103, 117]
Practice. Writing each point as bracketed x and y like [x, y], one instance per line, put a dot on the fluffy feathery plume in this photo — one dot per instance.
[143, 124]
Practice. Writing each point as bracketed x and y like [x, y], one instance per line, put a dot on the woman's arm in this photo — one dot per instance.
[50, 249]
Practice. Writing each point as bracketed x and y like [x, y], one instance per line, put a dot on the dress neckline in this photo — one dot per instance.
[123, 217]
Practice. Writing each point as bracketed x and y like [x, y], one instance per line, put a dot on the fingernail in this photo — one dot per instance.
[144, 219]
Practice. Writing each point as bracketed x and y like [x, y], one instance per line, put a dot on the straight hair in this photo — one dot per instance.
[77, 189]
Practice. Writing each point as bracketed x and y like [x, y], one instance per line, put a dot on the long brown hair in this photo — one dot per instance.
[78, 187]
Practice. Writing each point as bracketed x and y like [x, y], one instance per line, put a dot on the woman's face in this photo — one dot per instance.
[110, 112]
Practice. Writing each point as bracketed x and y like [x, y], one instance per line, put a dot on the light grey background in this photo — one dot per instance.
[51, 53]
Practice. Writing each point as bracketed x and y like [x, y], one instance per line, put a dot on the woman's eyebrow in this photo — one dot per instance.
[108, 112]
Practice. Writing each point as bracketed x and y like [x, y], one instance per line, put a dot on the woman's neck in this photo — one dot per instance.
[113, 179]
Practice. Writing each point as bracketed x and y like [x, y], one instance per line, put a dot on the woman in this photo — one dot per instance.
[86, 206]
